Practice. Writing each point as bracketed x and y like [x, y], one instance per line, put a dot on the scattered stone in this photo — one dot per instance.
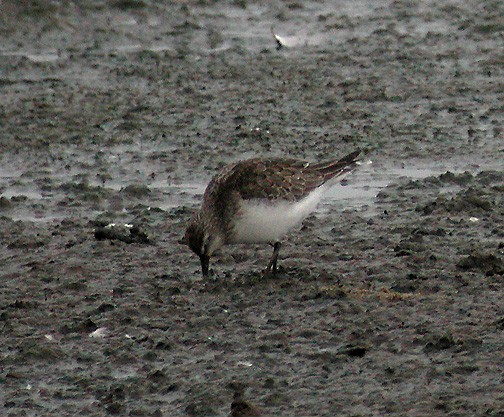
[136, 190]
[242, 408]
[22, 304]
[129, 4]
[488, 263]
[459, 179]
[86, 326]
[199, 408]
[354, 351]
[27, 242]
[115, 408]
[37, 351]
[103, 308]
[125, 233]
[5, 203]
[157, 375]
[437, 343]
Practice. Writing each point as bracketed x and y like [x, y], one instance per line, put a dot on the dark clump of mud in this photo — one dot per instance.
[113, 117]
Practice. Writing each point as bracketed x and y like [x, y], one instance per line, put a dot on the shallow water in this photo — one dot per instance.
[142, 105]
[358, 190]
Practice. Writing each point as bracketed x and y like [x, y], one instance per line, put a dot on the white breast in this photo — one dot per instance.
[264, 221]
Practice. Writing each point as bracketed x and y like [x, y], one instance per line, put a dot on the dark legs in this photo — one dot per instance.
[205, 261]
[272, 264]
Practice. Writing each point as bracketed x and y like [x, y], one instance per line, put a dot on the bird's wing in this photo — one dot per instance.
[278, 178]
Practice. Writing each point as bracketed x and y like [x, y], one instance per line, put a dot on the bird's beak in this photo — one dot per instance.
[205, 262]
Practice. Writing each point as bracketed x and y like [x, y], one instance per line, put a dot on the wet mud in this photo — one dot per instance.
[113, 117]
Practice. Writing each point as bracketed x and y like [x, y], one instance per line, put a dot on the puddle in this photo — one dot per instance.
[129, 48]
[160, 48]
[360, 190]
[126, 372]
[251, 26]
[40, 57]
[28, 192]
[170, 190]
[367, 181]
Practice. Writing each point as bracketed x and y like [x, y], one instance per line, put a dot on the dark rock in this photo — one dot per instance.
[488, 263]
[105, 307]
[355, 351]
[86, 326]
[196, 409]
[5, 203]
[115, 408]
[136, 190]
[124, 233]
[438, 343]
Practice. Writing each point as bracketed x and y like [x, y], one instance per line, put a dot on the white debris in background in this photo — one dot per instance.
[98, 333]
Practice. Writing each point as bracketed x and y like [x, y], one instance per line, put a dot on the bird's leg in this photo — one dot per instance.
[272, 264]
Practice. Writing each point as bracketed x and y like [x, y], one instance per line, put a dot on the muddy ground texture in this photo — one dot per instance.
[120, 112]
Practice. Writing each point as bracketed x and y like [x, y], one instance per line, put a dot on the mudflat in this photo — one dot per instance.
[113, 118]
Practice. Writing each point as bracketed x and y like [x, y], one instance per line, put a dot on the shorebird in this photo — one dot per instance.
[259, 200]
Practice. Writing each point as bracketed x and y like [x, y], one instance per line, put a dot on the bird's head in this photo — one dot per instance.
[202, 241]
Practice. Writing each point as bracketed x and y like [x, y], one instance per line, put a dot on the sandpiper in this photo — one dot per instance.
[259, 200]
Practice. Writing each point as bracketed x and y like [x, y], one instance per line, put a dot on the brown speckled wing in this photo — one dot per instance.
[276, 178]
[286, 179]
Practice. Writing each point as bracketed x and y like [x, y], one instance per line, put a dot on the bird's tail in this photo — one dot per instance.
[333, 169]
